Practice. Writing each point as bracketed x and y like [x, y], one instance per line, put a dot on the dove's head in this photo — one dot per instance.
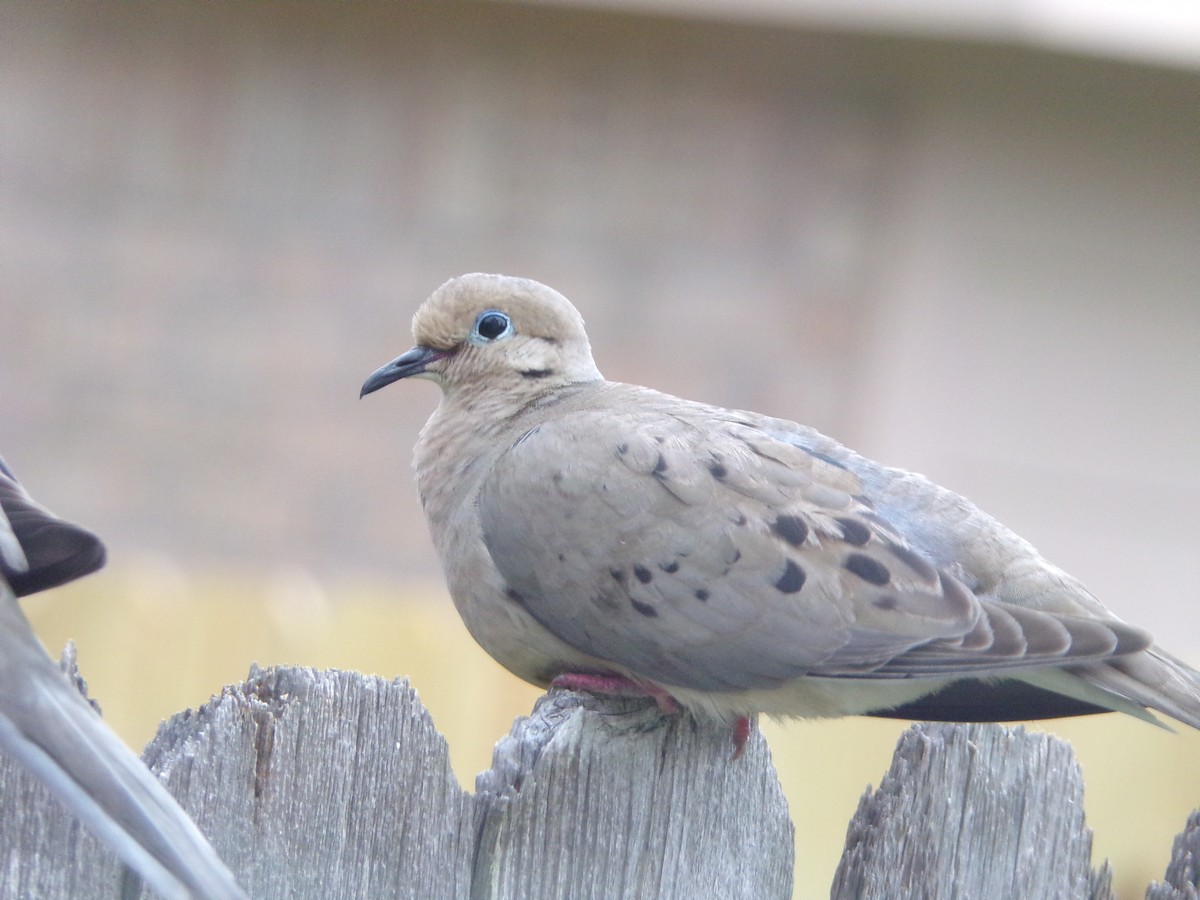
[493, 331]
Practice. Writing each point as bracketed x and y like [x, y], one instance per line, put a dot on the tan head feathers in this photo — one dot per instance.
[447, 318]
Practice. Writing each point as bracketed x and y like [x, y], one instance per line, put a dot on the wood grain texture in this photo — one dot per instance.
[1182, 881]
[334, 784]
[319, 784]
[973, 811]
[608, 798]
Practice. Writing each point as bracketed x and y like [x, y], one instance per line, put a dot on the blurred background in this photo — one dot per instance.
[963, 237]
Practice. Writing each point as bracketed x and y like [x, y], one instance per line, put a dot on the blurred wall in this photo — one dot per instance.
[216, 219]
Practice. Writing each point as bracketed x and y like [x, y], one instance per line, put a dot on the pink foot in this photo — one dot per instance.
[617, 685]
[741, 734]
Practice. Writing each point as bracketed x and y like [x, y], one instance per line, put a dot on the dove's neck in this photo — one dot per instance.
[464, 437]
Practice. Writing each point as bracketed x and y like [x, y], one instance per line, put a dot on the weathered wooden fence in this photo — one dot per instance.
[334, 784]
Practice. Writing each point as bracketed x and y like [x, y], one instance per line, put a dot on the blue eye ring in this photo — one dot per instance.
[491, 325]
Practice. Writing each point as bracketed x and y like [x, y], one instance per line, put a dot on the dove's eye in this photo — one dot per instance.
[491, 325]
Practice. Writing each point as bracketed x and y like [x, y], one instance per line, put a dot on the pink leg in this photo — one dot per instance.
[741, 734]
[621, 686]
[618, 685]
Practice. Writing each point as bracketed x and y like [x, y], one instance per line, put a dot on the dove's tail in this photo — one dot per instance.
[47, 725]
[1154, 679]
[1134, 684]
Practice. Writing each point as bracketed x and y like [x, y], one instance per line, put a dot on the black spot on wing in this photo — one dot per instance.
[854, 532]
[537, 373]
[660, 466]
[618, 575]
[717, 469]
[886, 601]
[644, 608]
[869, 570]
[643, 574]
[670, 568]
[702, 595]
[791, 580]
[791, 528]
[515, 596]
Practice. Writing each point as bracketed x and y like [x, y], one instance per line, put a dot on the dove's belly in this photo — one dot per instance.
[499, 623]
[515, 640]
[807, 698]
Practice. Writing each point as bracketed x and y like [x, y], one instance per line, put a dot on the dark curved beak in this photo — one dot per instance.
[411, 363]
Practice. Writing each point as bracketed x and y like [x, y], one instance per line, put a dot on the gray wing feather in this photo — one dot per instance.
[706, 551]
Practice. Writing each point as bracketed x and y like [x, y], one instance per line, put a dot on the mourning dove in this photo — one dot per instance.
[47, 724]
[608, 536]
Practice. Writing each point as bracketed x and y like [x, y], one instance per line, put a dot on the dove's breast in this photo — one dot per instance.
[453, 456]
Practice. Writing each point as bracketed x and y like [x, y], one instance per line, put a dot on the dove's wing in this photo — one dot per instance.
[696, 548]
[999, 565]
[55, 733]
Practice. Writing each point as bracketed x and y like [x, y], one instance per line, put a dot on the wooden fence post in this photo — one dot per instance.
[334, 784]
[973, 811]
[1182, 880]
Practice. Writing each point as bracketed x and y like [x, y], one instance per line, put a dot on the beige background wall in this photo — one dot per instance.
[975, 261]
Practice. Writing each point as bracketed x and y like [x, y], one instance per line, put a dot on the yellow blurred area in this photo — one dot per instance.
[153, 642]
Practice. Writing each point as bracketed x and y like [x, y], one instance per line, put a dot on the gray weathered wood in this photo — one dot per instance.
[602, 798]
[973, 811]
[333, 784]
[322, 784]
[309, 784]
[45, 849]
[1182, 881]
